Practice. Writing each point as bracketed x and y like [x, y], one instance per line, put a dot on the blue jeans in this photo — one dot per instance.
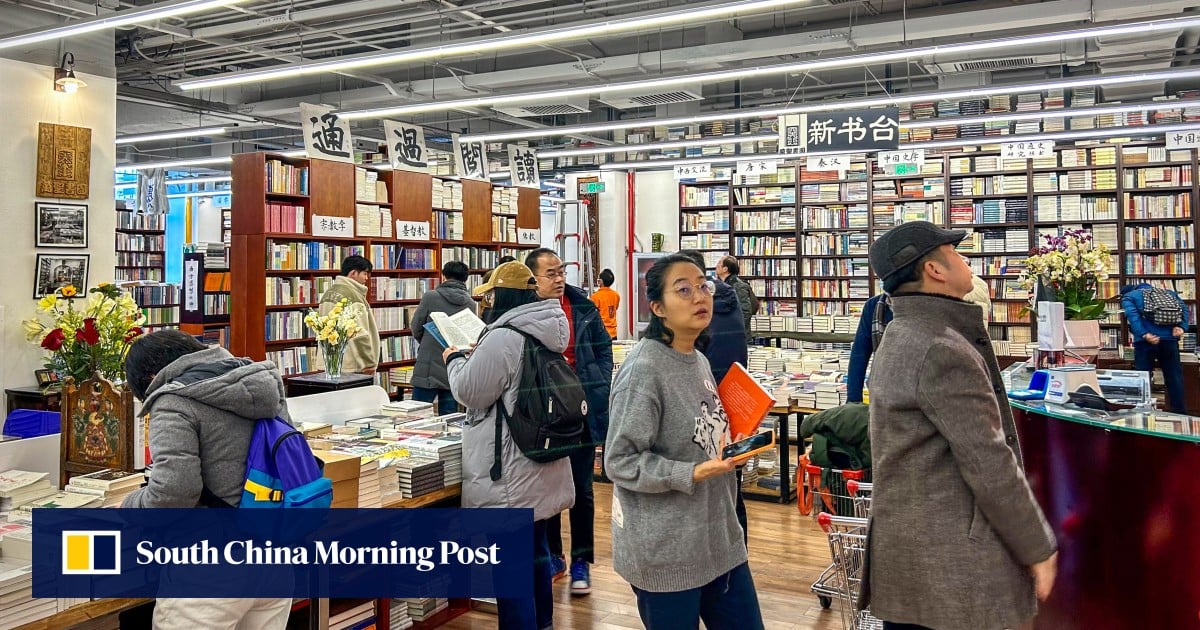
[538, 611]
[726, 603]
[445, 400]
[1166, 353]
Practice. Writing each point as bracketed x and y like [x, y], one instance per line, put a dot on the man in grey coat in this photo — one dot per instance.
[728, 270]
[429, 374]
[957, 539]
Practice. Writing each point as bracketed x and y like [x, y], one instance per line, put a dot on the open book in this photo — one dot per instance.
[746, 402]
[460, 330]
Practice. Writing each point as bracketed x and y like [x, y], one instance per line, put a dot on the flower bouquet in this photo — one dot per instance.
[1071, 266]
[334, 331]
[89, 338]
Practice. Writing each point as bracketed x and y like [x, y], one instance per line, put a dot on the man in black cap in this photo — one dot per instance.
[977, 552]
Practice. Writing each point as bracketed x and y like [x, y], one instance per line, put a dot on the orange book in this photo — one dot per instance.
[746, 402]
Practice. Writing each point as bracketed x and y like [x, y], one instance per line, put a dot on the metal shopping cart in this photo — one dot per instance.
[860, 493]
[848, 547]
[825, 489]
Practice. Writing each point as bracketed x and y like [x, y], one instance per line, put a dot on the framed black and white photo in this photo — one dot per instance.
[54, 271]
[61, 224]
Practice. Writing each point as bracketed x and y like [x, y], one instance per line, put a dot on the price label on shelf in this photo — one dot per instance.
[828, 163]
[1184, 139]
[693, 171]
[1026, 150]
[898, 158]
[527, 236]
[758, 167]
[342, 227]
[412, 230]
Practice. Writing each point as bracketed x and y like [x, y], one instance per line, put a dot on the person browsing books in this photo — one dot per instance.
[490, 377]
[429, 373]
[675, 536]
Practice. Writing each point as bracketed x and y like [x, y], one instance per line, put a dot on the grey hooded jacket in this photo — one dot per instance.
[493, 373]
[450, 297]
[202, 410]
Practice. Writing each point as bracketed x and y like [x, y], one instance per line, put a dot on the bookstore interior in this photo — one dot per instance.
[208, 165]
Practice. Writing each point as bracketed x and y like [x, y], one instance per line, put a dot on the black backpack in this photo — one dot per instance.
[550, 417]
[1162, 307]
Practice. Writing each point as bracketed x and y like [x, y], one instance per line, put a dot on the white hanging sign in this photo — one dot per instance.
[793, 134]
[527, 236]
[1026, 150]
[406, 147]
[1184, 139]
[523, 167]
[470, 159]
[693, 171]
[341, 227]
[905, 156]
[412, 230]
[326, 135]
[839, 163]
[758, 167]
[191, 289]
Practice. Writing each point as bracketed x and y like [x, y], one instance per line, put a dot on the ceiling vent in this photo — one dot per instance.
[577, 105]
[999, 64]
[685, 94]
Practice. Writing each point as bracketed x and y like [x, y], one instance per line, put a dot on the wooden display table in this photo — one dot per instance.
[317, 383]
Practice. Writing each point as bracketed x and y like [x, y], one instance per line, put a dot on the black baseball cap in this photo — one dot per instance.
[902, 246]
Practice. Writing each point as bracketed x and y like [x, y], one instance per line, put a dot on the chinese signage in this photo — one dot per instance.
[1184, 139]
[897, 158]
[406, 147]
[64, 161]
[758, 167]
[693, 171]
[523, 167]
[412, 230]
[591, 188]
[326, 136]
[527, 236]
[792, 134]
[1026, 150]
[333, 226]
[854, 131]
[191, 285]
[839, 163]
[152, 191]
[470, 160]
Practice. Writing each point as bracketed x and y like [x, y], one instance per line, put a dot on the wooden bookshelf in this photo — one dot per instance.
[140, 244]
[206, 303]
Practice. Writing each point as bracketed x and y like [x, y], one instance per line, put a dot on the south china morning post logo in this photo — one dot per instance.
[91, 552]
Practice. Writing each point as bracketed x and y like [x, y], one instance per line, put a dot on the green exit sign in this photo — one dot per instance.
[591, 188]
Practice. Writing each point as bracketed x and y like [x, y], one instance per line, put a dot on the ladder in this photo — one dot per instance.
[572, 242]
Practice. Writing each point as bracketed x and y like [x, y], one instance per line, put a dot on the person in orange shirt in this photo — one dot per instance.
[607, 300]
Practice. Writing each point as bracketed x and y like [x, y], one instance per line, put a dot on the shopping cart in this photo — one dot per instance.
[843, 578]
[824, 489]
[860, 493]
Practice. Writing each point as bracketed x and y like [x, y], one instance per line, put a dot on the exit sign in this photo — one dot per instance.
[591, 188]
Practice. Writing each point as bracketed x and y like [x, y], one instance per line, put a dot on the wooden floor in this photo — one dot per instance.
[787, 553]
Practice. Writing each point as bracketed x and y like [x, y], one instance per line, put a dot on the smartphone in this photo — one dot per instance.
[749, 446]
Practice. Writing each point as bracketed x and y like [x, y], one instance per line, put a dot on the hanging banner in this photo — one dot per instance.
[470, 160]
[152, 191]
[839, 163]
[854, 131]
[758, 167]
[1184, 139]
[792, 133]
[1026, 150]
[406, 147]
[693, 171]
[326, 136]
[523, 167]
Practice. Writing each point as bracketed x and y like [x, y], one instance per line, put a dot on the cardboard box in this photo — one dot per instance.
[343, 471]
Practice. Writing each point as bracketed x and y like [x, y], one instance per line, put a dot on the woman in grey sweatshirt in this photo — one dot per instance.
[676, 538]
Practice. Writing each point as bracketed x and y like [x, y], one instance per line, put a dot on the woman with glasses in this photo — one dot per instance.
[676, 538]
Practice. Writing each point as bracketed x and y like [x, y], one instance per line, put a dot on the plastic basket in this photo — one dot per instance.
[27, 423]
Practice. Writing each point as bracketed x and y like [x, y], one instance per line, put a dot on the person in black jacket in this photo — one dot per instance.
[590, 353]
[429, 379]
[728, 270]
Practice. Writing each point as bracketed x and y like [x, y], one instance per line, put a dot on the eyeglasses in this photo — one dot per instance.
[554, 274]
[688, 291]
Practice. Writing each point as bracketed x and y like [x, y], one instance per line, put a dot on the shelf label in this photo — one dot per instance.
[758, 167]
[792, 135]
[342, 227]
[523, 167]
[412, 230]
[1026, 150]
[693, 171]
[839, 163]
[191, 285]
[326, 135]
[899, 158]
[526, 236]
[406, 147]
[1184, 139]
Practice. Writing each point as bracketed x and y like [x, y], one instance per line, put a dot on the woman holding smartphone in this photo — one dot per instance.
[676, 537]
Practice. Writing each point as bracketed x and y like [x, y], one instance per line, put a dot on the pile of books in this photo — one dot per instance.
[17, 605]
[20, 487]
[419, 476]
[407, 410]
[360, 617]
[447, 449]
[111, 486]
[423, 608]
[398, 615]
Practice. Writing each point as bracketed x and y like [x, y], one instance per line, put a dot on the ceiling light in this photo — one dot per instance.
[650, 146]
[512, 40]
[113, 20]
[875, 101]
[183, 180]
[172, 135]
[145, 166]
[202, 193]
[64, 76]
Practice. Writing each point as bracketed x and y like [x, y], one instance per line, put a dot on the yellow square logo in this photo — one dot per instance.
[91, 553]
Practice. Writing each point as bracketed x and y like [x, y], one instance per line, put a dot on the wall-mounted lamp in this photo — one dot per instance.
[64, 76]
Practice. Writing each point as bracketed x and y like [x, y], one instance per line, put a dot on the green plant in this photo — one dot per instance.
[89, 340]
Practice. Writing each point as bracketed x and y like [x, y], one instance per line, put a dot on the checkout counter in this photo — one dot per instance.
[1122, 492]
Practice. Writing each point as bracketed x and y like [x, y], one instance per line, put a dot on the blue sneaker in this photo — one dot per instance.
[558, 567]
[581, 581]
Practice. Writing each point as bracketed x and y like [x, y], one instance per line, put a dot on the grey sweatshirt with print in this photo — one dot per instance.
[669, 533]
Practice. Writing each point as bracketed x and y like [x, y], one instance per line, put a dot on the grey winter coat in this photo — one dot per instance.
[202, 410]
[954, 525]
[493, 373]
[450, 297]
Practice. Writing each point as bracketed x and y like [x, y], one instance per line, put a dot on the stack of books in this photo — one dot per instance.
[407, 410]
[398, 615]
[419, 476]
[112, 486]
[423, 608]
[447, 449]
[369, 494]
[17, 605]
[19, 487]
[360, 617]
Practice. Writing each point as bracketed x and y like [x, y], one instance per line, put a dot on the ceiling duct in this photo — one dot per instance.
[1136, 53]
[674, 96]
[574, 105]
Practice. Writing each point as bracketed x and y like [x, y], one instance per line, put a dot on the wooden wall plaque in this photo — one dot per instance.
[64, 161]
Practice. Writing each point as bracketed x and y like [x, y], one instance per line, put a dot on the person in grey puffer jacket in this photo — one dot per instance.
[429, 375]
[491, 375]
[203, 403]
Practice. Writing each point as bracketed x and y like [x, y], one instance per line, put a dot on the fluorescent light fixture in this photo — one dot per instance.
[551, 184]
[875, 101]
[144, 166]
[202, 193]
[113, 20]
[500, 175]
[511, 40]
[800, 67]
[182, 180]
[172, 135]
[650, 146]
[298, 153]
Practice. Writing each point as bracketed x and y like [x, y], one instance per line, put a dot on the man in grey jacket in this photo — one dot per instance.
[728, 270]
[957, 539]
[429, 374]
[203, 404]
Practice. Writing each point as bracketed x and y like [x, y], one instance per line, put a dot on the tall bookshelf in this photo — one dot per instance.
[206, 304]
[140, 245]
[280, 270]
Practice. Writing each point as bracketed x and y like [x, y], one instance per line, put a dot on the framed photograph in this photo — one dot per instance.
[61, 224]
[45, 378]
[54, 271]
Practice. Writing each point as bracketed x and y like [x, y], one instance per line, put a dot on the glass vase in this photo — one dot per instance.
[332, 355]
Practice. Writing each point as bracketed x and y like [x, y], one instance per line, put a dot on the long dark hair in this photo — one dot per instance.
[656, 287]
[150, 354]
[508, 299]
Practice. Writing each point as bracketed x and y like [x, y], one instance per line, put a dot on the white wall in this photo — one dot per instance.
[612, 238]
[25, 100]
